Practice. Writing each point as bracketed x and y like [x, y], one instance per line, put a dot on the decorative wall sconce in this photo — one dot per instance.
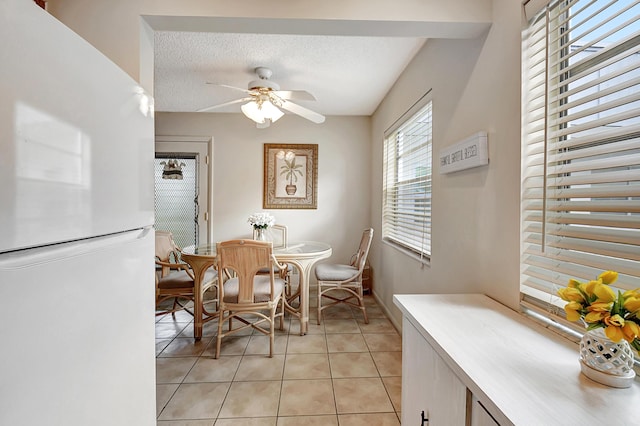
[172, 169]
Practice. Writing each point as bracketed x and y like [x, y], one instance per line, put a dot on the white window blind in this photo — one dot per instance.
[406, 210]
[581, 147]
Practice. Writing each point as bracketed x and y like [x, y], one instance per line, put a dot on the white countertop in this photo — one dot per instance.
[523, 373]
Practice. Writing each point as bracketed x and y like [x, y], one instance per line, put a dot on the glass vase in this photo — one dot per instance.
[261, 234]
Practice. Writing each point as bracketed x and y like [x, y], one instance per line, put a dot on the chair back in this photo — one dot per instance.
[243, 259]
[360, 257]
[165, 249]
[165, 246]
[277, 235]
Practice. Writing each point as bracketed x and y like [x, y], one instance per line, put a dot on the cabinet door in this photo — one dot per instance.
[480, 416]
[428, 384]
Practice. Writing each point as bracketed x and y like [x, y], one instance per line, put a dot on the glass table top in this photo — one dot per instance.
[293, 248]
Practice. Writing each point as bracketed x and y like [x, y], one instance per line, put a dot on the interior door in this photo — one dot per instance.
[182, 190]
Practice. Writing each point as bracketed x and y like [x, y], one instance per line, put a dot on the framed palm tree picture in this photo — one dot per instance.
[290, 176]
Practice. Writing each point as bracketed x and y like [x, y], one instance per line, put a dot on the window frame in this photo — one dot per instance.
[411, 240]
[560, 234]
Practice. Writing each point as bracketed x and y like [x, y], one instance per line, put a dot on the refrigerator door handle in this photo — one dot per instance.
[27, 258]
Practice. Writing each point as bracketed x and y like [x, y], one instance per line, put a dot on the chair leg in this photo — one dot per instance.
[282, 312]
[219, 336]
[362, 307]
[272, 331]
[319, 303]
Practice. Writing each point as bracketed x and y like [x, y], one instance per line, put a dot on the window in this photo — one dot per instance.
[406, 205]
[581, 147]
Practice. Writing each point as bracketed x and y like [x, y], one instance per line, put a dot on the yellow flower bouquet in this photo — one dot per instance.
[596, 304]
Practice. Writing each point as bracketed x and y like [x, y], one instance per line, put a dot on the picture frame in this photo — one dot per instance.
[290, 176]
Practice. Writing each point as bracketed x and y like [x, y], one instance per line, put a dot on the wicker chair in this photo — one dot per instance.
[340, 283]
[174, 279]
[247, 293]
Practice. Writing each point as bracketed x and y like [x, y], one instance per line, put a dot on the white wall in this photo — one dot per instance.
[476, 86]
[344, 162]
[475, 246]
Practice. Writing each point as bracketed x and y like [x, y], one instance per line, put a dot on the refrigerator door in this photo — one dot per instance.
[77, 329]
[76, 136]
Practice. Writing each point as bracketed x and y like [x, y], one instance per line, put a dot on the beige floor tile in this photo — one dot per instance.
[209, 329]
[341, 326]
[181, 347]
[377, 325]
[308, 421]
[296, 385]
[379, 419]
[383, 342]
[393, 385]
[259, 345]
[369, 300]
[252, 399]
[260, 367]
[163, 395]
[388, 363]
[161, 344]
[179, 316]
[307, 366]
[346, 343]
[173, 370]
[169, 330]
[337, 312]
[352, 364]
[373, 311]
[232, 345]
[248, 421]
[361, 395]
[312, 328]
[208, 369]
[194, 401]
[309, 344]
[306, 397]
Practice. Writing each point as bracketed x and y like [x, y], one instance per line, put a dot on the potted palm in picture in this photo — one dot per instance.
[290, 170]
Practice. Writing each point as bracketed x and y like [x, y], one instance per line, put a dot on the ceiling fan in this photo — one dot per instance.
[264, 100]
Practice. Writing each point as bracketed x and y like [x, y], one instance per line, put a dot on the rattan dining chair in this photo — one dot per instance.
[248, 293]
[175, 279]
[341, 283]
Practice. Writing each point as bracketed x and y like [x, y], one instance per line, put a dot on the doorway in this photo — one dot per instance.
[181, 174]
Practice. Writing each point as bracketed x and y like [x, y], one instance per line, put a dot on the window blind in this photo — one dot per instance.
[581, 147]
[406, 210]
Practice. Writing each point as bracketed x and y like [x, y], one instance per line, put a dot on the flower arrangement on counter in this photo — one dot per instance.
[261, 220]
[597, 305]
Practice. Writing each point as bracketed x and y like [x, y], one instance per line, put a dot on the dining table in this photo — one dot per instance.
[302, 254]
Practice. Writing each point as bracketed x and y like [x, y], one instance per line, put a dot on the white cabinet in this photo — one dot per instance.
[468, 360]
[479, 415]
[428, 385]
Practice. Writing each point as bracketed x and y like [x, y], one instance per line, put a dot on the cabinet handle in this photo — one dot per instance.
[424, 419]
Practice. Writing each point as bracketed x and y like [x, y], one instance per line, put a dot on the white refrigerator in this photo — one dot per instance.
[76, 230]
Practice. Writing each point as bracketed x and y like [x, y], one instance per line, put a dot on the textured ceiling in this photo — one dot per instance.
[348, 75]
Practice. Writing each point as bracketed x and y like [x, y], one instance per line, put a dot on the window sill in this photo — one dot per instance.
[424, 260]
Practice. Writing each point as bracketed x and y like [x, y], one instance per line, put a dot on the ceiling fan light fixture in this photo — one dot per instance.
[271, 111]
[261, 112]
[252, 111]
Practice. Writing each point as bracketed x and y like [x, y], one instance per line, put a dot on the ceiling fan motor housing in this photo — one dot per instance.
[264, 73]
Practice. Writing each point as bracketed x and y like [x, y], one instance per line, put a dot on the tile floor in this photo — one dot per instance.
[343, 372]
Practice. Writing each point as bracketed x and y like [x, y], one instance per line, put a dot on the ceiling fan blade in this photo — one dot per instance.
[303, 112]
[228, 87]
[237, 101]
[296, 95]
